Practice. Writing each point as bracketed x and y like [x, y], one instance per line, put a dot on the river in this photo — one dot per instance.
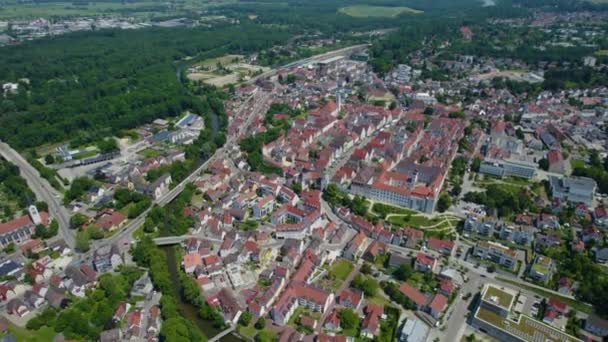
[187, 310]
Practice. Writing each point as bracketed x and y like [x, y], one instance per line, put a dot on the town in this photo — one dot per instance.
[447, 199]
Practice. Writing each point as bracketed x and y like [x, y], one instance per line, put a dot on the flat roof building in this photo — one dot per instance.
[493, 316]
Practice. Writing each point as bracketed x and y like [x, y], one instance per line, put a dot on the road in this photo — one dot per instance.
[43, 190]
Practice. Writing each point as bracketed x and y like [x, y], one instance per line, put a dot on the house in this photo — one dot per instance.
[437, 305]
[264, 206]
[133, 326]
[414, 295]
[557, 164]
[350, 298]
[78, 279]
[375, 249]
[596, 326]
[191, 261]
[370, 327]
[547, 221]
[110, 220]
[228, 305]
[333, 321]
[601, 255]
[412, 236]
[542, 269]
[106, 258]
[142, 287]
[297, 295]
[565, 286]
[444, 247]
[159, 187]
[446, 287]
[355, 247]
[397, 259]
[424, 263]
[17, 307]
[496, 253]
[414, 330]
[21, 229]
[600, 216]
[121, 311]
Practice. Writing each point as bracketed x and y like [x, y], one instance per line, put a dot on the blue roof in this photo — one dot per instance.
[8, 267]
[187, 120]
[160, 136]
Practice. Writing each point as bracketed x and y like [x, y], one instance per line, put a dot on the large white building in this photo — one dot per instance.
[573, 189]
[508, 167]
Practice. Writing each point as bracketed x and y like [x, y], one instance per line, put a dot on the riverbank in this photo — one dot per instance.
[187, 310]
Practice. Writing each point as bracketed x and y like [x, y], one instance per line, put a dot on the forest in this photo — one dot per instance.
[89, 85]
[14, 190]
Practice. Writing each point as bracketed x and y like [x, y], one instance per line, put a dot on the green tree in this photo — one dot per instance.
[444, 202]
[260, 324]
[348, 319]
[49, 159]
[78, 220]
[82, 241]
[245, 318]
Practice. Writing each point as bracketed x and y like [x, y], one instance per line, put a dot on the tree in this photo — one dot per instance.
[544, 164]
[404, 272]
[49, 159]
[265, 336]
[78, 220]
[348, 319]
[368, 285]
[82, 241]
[260, 324]
[245, 318]
[444, 202]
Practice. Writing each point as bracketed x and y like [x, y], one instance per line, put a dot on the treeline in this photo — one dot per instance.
[14, 188]
[170, 219]
[175, 326]
[89, 85]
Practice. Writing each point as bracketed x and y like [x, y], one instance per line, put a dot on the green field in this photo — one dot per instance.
[22, 334]
[145, 8]
[365, 11]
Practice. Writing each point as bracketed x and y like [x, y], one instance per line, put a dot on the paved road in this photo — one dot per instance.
[43, 190]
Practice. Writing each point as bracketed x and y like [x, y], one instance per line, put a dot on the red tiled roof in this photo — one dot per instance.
[425, 259]
[21, 222]
[439, 302]
[191, 260]
[413, 294]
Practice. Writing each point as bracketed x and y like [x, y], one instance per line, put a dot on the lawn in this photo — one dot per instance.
[341, 269]
[365, 11]
[22, 334]
[378, 300]
[248, 331]
[149, 153]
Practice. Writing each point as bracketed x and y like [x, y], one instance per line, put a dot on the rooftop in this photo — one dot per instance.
[525, 328]
[498, 297]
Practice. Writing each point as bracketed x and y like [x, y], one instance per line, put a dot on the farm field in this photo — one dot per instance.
[365, 11]
[221, 71]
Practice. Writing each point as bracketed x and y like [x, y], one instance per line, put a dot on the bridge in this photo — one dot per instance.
[222, 334]
[173, 240]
